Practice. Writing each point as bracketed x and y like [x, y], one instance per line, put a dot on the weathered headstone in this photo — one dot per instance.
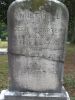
[37, 33]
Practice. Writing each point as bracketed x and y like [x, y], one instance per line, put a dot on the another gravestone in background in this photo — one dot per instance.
[37, 33]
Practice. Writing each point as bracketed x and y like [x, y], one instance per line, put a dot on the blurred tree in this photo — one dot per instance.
[71, 7]
[4, 4]
[3, 31]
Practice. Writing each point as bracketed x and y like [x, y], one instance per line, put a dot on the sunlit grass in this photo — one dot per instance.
[3, 44]
[3, 72]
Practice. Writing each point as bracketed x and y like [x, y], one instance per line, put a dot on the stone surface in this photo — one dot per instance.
[36, 45]
[15, 95]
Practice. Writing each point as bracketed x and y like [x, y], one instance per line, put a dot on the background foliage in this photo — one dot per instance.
[4, 4]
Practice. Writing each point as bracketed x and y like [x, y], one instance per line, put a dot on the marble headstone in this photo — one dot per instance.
[36, 45]
[36, 50]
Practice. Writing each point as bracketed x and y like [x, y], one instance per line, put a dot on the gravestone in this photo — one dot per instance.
[36, 48]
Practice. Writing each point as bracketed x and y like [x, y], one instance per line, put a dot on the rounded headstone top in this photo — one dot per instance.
[37, 34]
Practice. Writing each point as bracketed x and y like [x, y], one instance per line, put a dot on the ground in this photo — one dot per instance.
[70, 70]
[3, 44]
[69, 78]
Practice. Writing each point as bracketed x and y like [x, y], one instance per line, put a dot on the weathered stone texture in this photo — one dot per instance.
[36, 46]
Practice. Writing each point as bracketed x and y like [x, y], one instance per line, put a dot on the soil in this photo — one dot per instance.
[70, 64]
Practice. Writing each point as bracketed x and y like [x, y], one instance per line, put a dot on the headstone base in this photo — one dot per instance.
[9, 95]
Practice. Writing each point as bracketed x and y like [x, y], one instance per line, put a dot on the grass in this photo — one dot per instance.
[72, 98]
[3, 44]
[70, 49]
[69, 79]
[3, 72]
[3, 67]
[69, 82]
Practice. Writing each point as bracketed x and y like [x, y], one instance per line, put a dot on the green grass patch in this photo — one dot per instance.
[3, 72]
[69, 81]
[69, 78]
[72, 98]
[70, 49]
[70, 55]
[3, 44]
[3, 58]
